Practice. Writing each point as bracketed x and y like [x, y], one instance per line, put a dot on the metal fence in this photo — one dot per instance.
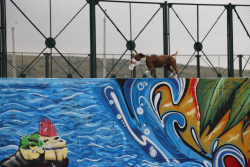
[83, 39]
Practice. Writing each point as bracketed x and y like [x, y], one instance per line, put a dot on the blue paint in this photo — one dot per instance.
[88, 119]
[146, 128]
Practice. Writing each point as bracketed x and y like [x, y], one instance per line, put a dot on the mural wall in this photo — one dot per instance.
[125, 122]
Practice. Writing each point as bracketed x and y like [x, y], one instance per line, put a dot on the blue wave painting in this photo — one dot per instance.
[102, 123]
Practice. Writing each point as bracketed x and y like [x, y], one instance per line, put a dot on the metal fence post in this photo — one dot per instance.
[93, 73]
[133, 75]
[199, 48]
[240, 65]
[230, 40]
[47, 64]
[165, 34]
[154, 73]
[3, 40]
[198, 66]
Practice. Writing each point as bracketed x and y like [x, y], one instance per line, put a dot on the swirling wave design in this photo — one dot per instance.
[219, 158]
[157, 134]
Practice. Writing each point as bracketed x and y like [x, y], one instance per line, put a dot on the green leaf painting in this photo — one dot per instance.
[24, 143]
[216, 99]
[205, 89]
[40, 143]
[34, 137]
[240, 106]
[31, 140]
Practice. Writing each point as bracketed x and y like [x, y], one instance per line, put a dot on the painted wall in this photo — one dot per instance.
[118, 122]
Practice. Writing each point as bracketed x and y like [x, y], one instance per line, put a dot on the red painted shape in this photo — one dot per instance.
[248, 164]
[230, 161]
[46, 128]
[193, 87]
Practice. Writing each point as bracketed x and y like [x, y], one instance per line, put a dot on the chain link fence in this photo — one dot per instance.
[61, 69]
[52, 38]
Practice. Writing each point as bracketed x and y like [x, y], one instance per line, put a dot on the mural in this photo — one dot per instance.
[44, 148]
[125, 122]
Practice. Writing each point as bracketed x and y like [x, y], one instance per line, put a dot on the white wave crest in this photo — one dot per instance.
[14, 89]
[86, 137]
[115, 146]
[124, 156]
[33, 128]
[93, 160]
[9, 147]
[104, 137]
[93, 144]
[18, 121]
[38, 94]
[66, 134]
[69, 113]
[60, 90]
[50, 106]
[20, 134]
[92, 125]
[103, 128]
[59, 125]
[70, 152]
[34, 100]
[5, 128]
[9, 95]
[16, 111]
[149, 162]
[88, 107]
[15, 104]
[66, 98]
